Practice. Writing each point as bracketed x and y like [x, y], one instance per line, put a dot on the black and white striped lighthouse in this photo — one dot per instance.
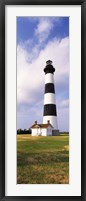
[50, 113]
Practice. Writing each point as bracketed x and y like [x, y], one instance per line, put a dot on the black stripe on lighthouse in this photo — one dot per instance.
[49, 109]
[49, 88]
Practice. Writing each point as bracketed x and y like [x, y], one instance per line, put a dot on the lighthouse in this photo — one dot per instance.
[50, 112]
[49, 126]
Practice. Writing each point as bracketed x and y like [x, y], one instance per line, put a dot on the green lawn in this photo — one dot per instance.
[42, 160]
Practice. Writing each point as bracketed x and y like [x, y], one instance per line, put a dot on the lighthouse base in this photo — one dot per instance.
[55, 132]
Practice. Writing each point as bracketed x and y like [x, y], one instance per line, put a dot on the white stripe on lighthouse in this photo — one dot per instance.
[49, 98]
[49, 78]
[52, 119]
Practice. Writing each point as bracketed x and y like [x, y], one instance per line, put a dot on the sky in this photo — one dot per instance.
[40, 39]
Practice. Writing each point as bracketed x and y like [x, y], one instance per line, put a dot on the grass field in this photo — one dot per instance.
[42, 160]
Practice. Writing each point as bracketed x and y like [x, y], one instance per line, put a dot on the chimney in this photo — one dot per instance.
[48, 121]
[35, 122]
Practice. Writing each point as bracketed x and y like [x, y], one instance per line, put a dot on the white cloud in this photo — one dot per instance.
[30, 76]
[43, 29]
[43, 26]
[63, 104]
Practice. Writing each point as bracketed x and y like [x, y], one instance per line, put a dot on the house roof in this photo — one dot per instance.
[41, 125]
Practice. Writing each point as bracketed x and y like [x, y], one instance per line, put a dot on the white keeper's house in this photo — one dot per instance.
[42, 129]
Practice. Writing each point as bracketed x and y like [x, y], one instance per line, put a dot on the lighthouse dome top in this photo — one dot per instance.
[49, 62]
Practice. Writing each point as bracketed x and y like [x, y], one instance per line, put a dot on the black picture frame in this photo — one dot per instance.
[3, 3]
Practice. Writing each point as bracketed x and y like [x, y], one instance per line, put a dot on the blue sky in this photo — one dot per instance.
[38, 40]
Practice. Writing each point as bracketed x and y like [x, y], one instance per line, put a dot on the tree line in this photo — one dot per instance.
[25, 131]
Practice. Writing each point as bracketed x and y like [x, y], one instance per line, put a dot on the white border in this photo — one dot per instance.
[74, 188]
